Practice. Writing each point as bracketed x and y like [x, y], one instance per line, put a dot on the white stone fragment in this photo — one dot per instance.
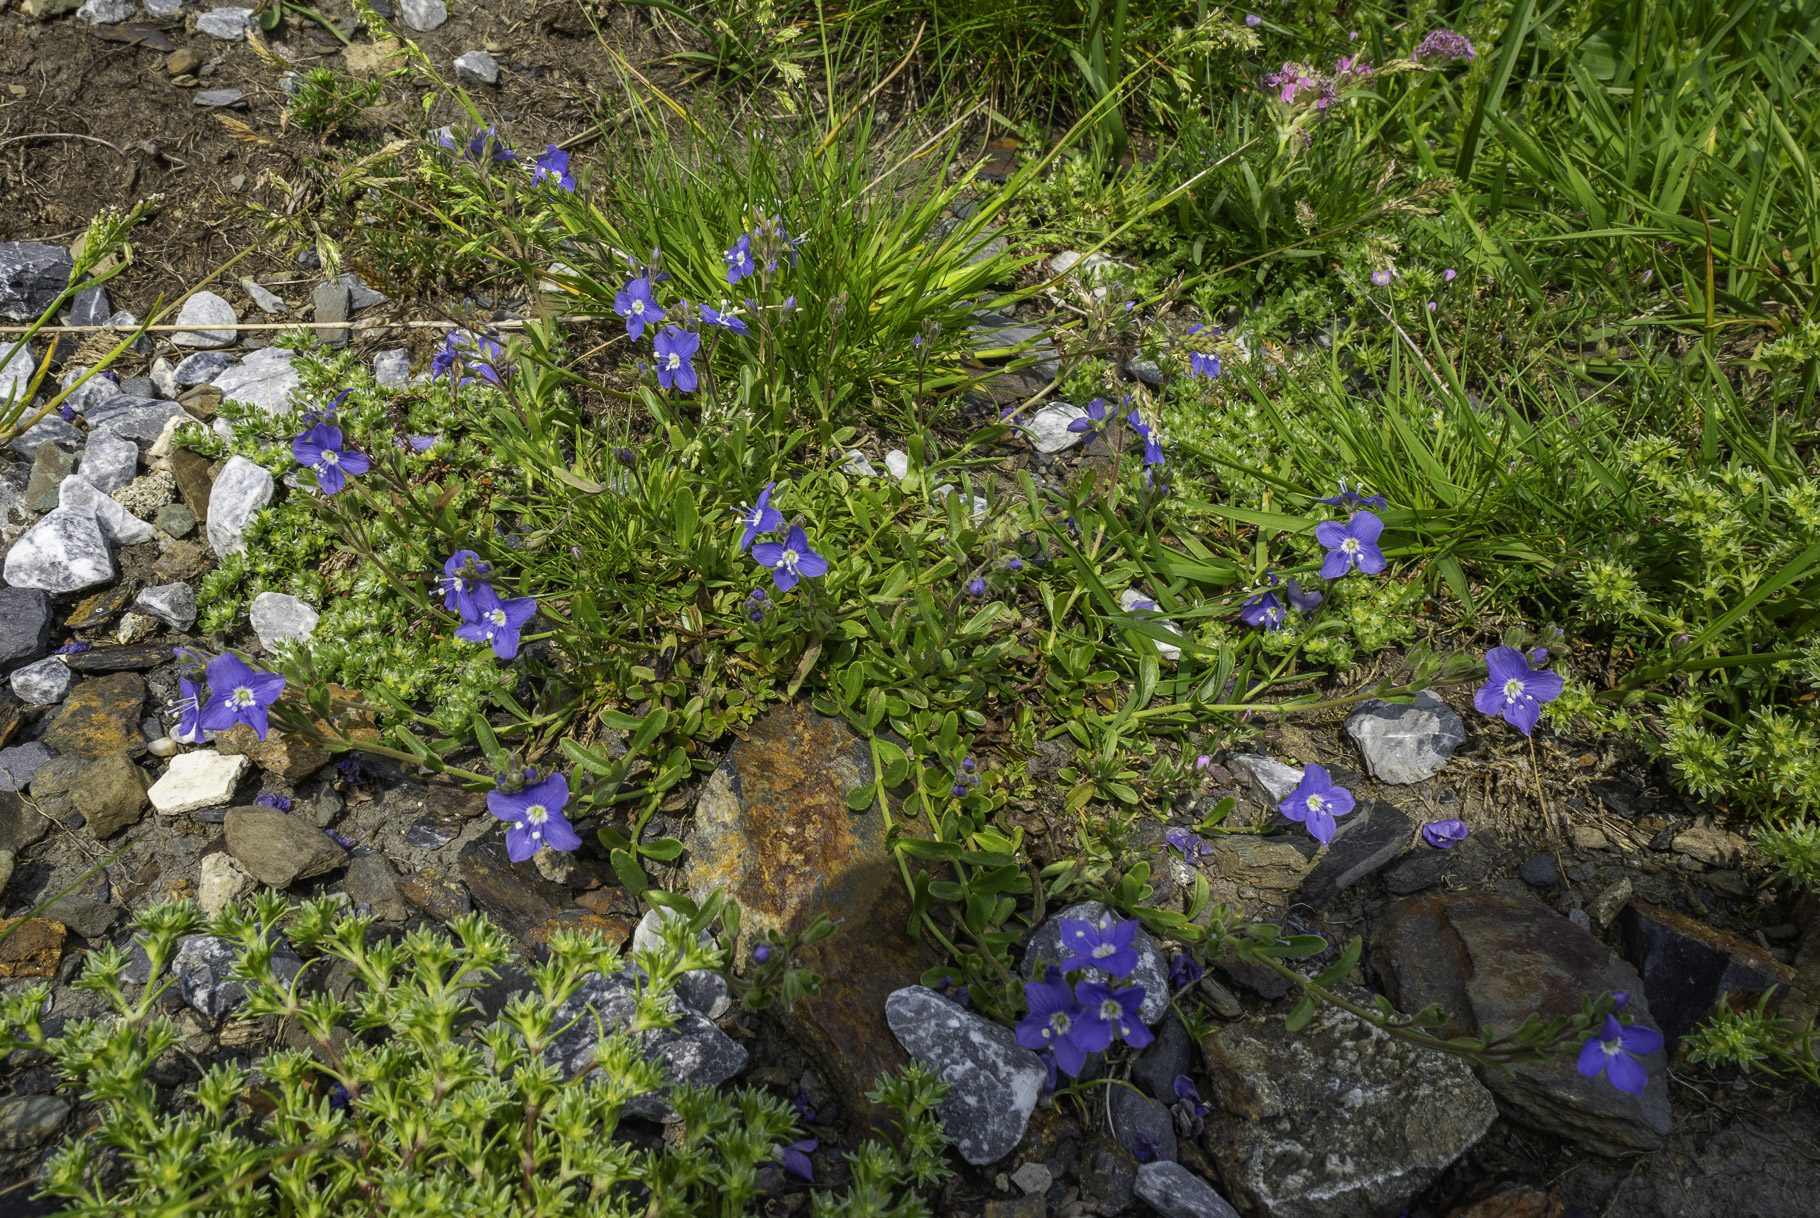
[279, 617]
[205, 309]
[196, 781]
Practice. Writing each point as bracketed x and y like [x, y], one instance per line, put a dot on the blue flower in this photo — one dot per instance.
[790, 558]
[1204, 363]
[1184, 971]
[1114, 1010]
[1352, 498]
[1444, 834]
[1614, 1053]
[1189, 843]
[534, 818]
[1264, 610]
[1054, 1023]
[675, 352]
[711, 316]
[553, 166]
[189, 705]
[636, 304]
[460, 576]
[488, 144]
[794, 1159]
[271, 799]
[480, 353]
[238, 694]
[739, 259]
[1107, 947]
[761, 517]
[1316, 802]
[497, 622]
[1096, 414]
[1303, 602]
[320, 448]
[1515, 692]
[1350, 545]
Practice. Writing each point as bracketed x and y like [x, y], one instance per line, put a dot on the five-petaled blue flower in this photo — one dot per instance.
[1203, 363]
[790, 559]
[553, 166]
[635, 303]
[1516, 692]
[320, 448]
[497, 622]
[761, 517]
[1096, 415]
[1303, 602]
[1614, 1053]
[739, 259]
[710, 316]
[460, 576]
[1444, 834]
[676, 350]
[1114, 1010]
[1054, 1023]
[1349, 545]
[1351, 498]
[1316, 802]
[534, 818]
[1107, 947]
[1263, 610]
[238, 694]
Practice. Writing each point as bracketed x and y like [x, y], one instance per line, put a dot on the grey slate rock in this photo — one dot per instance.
[277, 848]
[1408, 742]
[20, 763]
[172, 604]
[392, 369]
[1175, 1192]
[17, 367]
[371, 883]
[693, 1050]
[204, 970]
[51, 429]
[1540, 871]
[91, 307]
[265, 378]
[993, 1082]
[1365, 842]
[1151, 972]
[240, 490]
[476, 68]
[118, 525]
[139, 419]
[65, 552]
[705, 991]
[25, 624]
[264, 299]
[45, 683]
[227, 24]
[110, 461]
[92, 392]
[1142, 1125]
[1169, 1055]
[360, 296]
[1688, 966]
[213, 317]
[29, 1121]
[84, 915]
[332, 303]
[140, 387]
[221, 99]
[50, 466]
[175, 520]
[1271, 780]
[201, 368]
[423, 15]
[1148, 371]
[32, 275]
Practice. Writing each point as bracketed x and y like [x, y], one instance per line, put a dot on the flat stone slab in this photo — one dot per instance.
[198, 780]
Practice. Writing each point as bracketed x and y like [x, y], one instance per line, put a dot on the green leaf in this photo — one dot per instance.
[1303, 1012]
[933, 851]
[663, 849]
[631, 876]
[861, 798]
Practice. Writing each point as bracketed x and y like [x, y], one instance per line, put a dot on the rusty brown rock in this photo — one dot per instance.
[280, 754]
[33, 949]
[612, 928]
[100, 718]
[436, 894]
[516, 895]
[190, 469]
[772, 828]
[1491, 961]
[1517, 1201]
[99, 609]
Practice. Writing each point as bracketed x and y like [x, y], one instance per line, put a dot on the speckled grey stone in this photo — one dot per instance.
[45, 683]
[172, 604]
[993, 1082]
[214, 317]
[64, 552]
[240, 490]
[110, 461]
[1151, 973]
[204, 970]
[1175, 1192]
[693, 1049]
[1406, 742]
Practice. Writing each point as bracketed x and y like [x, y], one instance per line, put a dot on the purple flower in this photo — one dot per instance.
[483, 146]
[1204, 363]
[761, 517]
[1614, 1053]
[1147, 1149]
[976, 586]
[958, 790]
[1303, 602]
[790, 559]
[1114, 1010]
[1381, 278]
[68, 412]
[1447, 276]
[1297, 78]
[1152, 436]
[761, 953]
[1183, 971]
[1352, 498]
[497, 621]
[1096, 414]
[635, 303]
[553, 166]
[1054, 1023]
[725, 320]
[271, 799]
[535, 819]
[1107, 947]
[1189, 1112]
[1253, 20]
[1191, 846]
[675, 351]
[794, 1159]
[320, 448]
[1316, 802]
[1349, 545]
[1265, 610]
[1443, 44]
[460, 576]
[1515, 692]
[238, 695]
[420, 444]
[739, 259]
[480, 353]
[1014, 563]
[75, 647]
[340, 839]
[1444, 834]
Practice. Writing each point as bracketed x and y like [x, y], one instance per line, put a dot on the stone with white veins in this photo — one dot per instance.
[227, 24]
[857, 465]
[17, 365]
[90, 394]
[477, 68]
[1175, 1192]
[1132, 600]
[91, 307]
[162, 8]
[264, 299]
[692, 1050]
[265, 379]
[172, 604]
[214, 317]
[110, 461]
[279, 617]
[1046, 948]
[64, 552]
[993, 1082]
[1048, 428]
[105, 12]
[138, 419]
[1406, 742]
[51, 429]
[423, 15]
[118, 525]
[32, 275]
[1269, 775]
[240, 490]
[204, 969]
[202, 367]
[199, 780]
[392, 369]
[45, 683]
[164, 377]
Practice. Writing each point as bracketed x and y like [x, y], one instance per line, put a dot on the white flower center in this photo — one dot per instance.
[673, 361]
[1350, 545]
[1110, 1009]
[638, 306]
[497, 617]
[242, 696]
[330, 457]
[537, 814]
[1059, 1023]
[1514, 691]
[1102, 950]
[789, 560]
[1316, 803]
[1613, 1047]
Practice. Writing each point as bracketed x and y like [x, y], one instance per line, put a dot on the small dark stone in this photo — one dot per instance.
[515, 894]
[136, 658]
[1540, 871]
[1169, 1055]
[25, 625]
[1108, 1175]
[191, 471]
[1418, 871]
[99, 609]
[1364, 843]
[84, 915]
[1142, 1125]
[20, 824]
[1687, 966]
